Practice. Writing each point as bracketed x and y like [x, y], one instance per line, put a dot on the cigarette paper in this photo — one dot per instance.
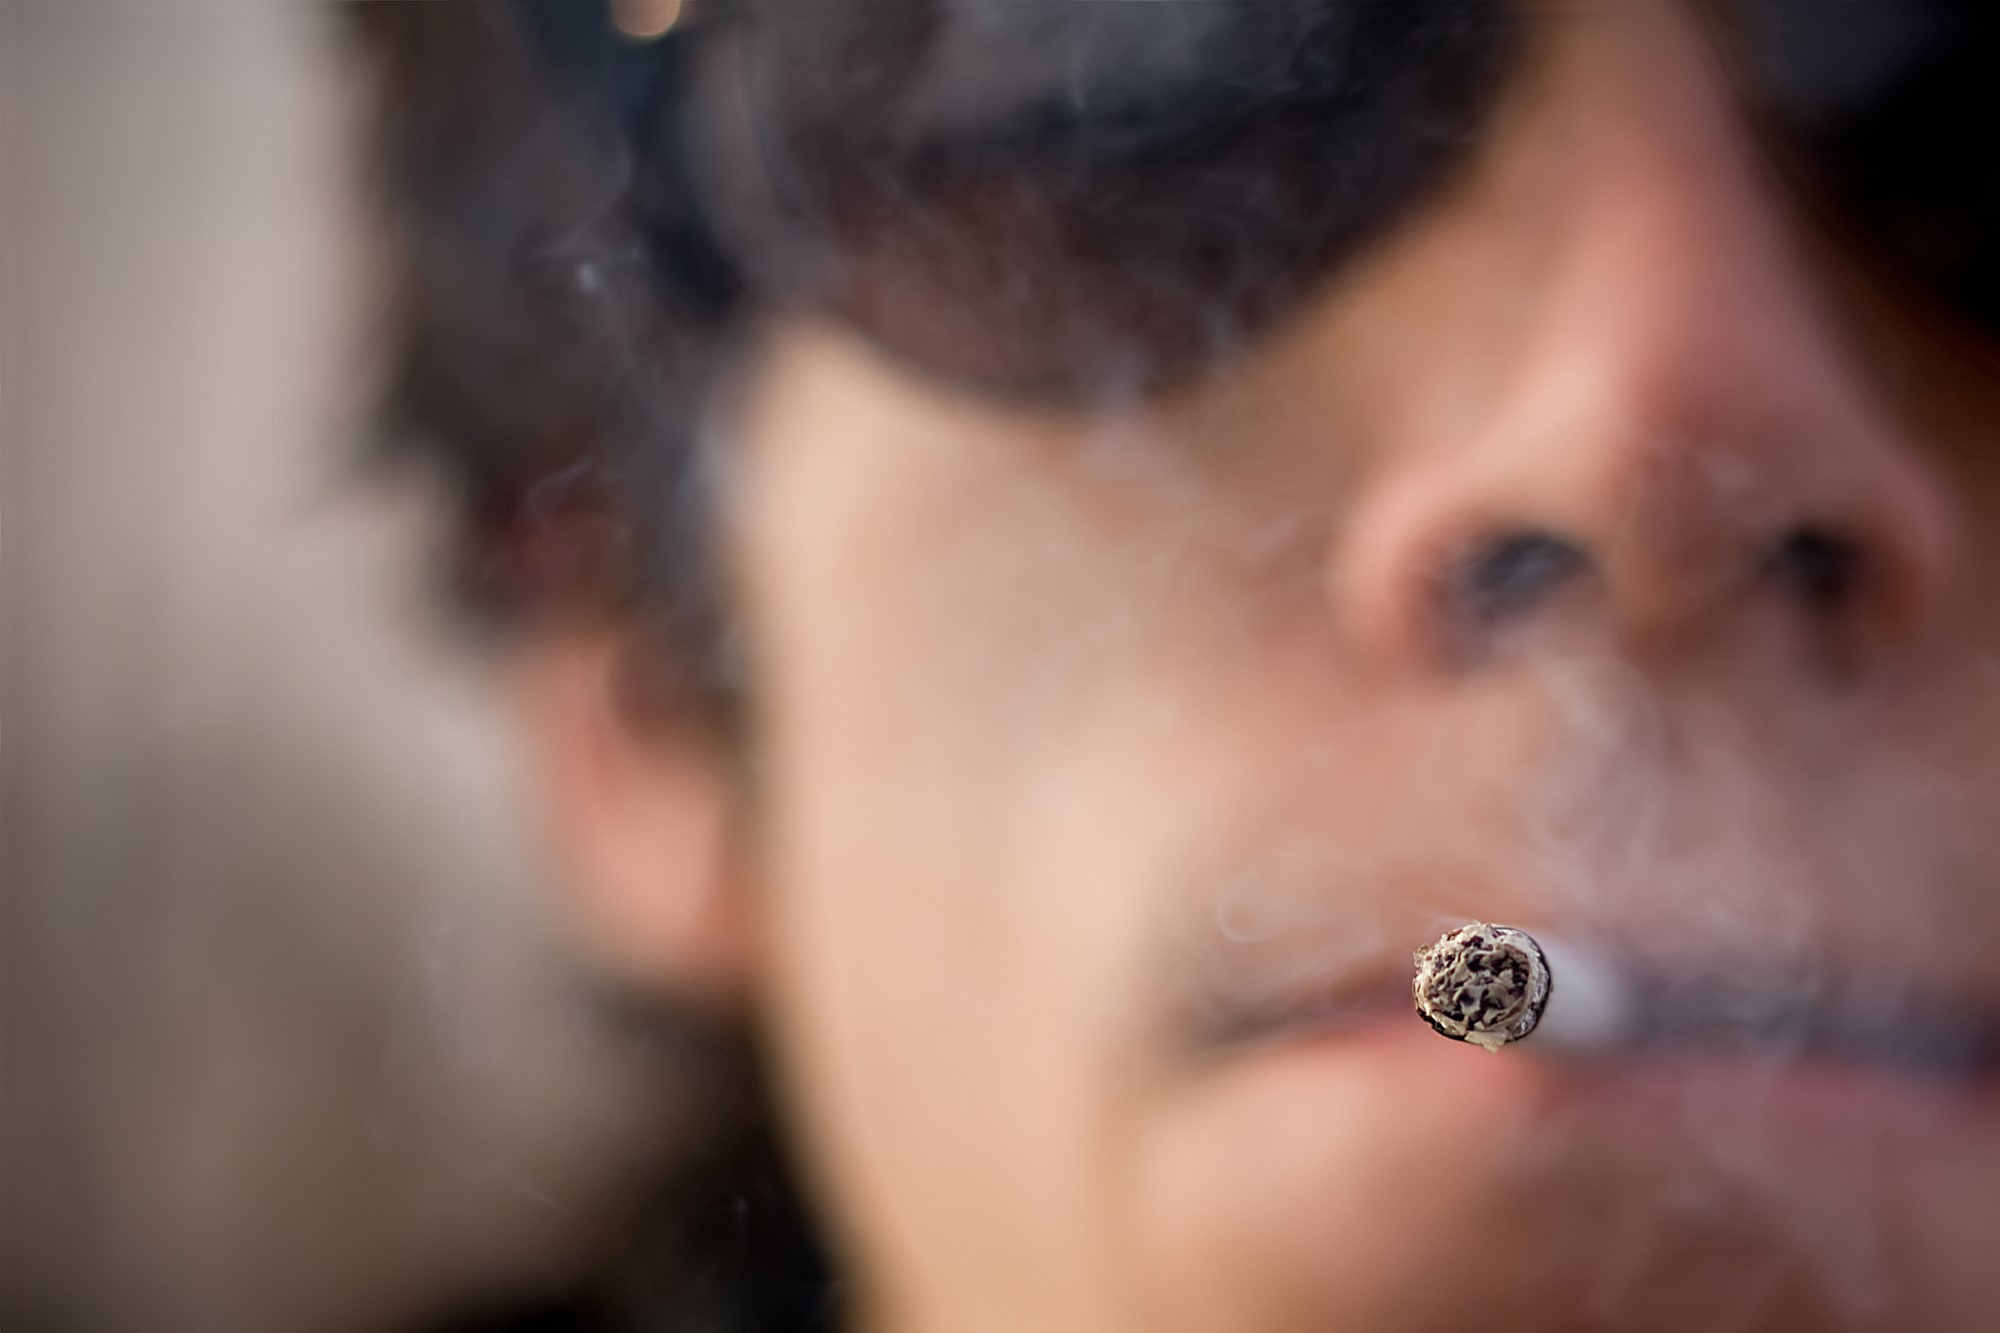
[1491, 984]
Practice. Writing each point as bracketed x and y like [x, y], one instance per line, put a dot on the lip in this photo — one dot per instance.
[1819, 1116]
[1237, 1021]
[1807, 1106]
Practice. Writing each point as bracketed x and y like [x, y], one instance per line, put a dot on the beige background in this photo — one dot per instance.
[288, 1042]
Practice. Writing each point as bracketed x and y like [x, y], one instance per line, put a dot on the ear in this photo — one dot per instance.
[636, 796]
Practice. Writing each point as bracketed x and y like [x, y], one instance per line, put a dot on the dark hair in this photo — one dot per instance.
[557, 317]
[566, 310]
[558, 310]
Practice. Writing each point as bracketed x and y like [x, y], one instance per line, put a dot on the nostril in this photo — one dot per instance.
[1822, 570]
[1509, 577]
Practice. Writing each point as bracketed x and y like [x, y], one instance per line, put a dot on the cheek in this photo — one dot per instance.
[948, 925]
[1003, 721]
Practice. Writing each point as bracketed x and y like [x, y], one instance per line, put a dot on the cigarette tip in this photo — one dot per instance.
[1482, 983]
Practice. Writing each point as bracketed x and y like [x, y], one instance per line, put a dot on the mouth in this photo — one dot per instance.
[1841, 1021]
[1730, 1140]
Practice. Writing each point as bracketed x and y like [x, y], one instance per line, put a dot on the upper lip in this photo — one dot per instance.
[1260, 1008]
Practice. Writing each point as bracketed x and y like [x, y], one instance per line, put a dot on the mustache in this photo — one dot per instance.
[1743, 898]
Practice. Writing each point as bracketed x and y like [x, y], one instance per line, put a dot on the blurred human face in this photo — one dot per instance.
[1607, 552]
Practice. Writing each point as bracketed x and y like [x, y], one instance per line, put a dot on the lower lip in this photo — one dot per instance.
[1814, 1107]
[1798, 1105]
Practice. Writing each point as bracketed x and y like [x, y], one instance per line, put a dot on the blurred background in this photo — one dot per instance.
[290, 1042]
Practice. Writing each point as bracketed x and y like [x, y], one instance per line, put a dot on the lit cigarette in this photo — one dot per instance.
[1490, 985]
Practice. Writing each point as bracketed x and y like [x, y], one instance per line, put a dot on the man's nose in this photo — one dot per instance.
[1680, 437]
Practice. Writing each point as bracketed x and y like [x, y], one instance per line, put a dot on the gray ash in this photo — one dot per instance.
[1482, 983]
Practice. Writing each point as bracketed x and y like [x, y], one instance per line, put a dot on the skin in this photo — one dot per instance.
[1079, 736]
